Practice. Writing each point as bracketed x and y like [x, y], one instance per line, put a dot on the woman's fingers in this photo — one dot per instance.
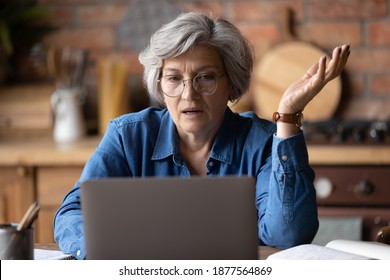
[334, 62]
[346, 51]
[311, 72]
[299, 94]
[339, 59]
[322, 68]
[342, 58]
[334, 65]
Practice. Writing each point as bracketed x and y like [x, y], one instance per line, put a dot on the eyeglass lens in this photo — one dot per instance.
[204, 84]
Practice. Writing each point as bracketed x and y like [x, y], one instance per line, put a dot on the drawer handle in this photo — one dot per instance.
[364, 188]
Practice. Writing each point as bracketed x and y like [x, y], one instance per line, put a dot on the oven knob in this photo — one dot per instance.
[364, 187]
[378, 131]
[323, 187]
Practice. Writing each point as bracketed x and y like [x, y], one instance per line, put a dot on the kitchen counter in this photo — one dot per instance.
[38, 169]
[349, 154]
[44, 151]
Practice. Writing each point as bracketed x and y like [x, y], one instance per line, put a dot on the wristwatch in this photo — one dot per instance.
[295, 118]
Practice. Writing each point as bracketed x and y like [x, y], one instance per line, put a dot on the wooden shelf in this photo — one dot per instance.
[349, 155]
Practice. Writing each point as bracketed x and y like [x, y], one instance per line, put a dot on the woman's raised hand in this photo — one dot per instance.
[299, 94]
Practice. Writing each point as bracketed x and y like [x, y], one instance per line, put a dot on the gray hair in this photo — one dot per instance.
[188, 30]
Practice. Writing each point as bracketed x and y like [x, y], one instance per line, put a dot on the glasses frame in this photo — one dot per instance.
[193, 85]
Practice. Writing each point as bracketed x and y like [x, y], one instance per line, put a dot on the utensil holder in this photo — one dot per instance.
[16, 245]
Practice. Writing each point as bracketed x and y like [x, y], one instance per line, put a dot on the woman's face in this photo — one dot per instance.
[196, 114]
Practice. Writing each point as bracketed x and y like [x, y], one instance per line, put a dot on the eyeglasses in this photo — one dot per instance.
[204, 84]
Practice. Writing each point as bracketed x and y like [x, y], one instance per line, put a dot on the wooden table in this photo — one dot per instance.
[264, 251]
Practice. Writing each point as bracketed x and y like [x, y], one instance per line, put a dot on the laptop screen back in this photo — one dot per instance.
[170, 218]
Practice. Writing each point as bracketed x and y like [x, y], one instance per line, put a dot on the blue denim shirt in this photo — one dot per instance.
[146, 144]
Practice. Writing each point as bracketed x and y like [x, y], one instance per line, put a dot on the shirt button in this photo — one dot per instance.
[211, 163]
[78, 253]
[284, 157]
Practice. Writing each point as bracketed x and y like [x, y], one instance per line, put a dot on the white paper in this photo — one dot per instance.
[370, 249]
[40, 254]
[314, 252]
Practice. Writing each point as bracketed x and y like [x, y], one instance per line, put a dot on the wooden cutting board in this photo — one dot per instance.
[284, 64]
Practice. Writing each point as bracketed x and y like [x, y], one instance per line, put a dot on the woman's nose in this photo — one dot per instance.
[189, 92]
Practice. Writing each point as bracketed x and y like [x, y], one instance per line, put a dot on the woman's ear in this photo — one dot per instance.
[233, 94]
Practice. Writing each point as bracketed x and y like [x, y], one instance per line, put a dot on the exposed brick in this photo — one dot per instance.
[365, 61]
[101, 15]
[379, 33]
[260, 36]
[84, 38]
[366, 109]
[380, 85]
[248, 11]
[216, 8]
[60, 16]
[325, 35]
[265, 10]
[69, 2]
[342, 9]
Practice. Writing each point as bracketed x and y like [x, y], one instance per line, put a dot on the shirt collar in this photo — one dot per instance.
[222, 150]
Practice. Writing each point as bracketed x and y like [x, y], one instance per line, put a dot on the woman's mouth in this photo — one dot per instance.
[192, 111]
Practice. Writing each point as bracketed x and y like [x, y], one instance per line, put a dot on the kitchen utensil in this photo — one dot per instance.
[66, 65]
[29, 217]
[284, 64]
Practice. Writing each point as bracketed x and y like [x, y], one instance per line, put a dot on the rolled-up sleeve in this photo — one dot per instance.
[287, 204]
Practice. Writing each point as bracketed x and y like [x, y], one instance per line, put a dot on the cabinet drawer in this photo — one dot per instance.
[53, 183]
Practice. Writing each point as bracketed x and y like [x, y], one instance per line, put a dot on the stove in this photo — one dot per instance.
[348, 189]
[355, 132]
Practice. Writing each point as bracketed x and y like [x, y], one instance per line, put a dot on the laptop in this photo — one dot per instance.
[170, 218]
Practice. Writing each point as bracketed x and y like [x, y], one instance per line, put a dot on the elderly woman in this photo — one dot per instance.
[194, 65]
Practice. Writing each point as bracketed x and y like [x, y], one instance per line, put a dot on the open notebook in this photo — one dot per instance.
[170, 218]
[336, 250]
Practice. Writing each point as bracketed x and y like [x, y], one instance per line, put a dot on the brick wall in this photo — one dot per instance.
[93, 25]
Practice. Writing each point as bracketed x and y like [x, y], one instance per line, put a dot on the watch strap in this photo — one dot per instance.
[295, 118]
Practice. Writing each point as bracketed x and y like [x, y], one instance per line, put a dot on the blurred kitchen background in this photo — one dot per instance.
[119, 29]
[93, 46]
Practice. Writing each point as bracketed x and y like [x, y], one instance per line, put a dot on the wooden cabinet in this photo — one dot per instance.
[16, 192]
[53, 183]
[359, 192]
[39, 170]
[20, 186]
